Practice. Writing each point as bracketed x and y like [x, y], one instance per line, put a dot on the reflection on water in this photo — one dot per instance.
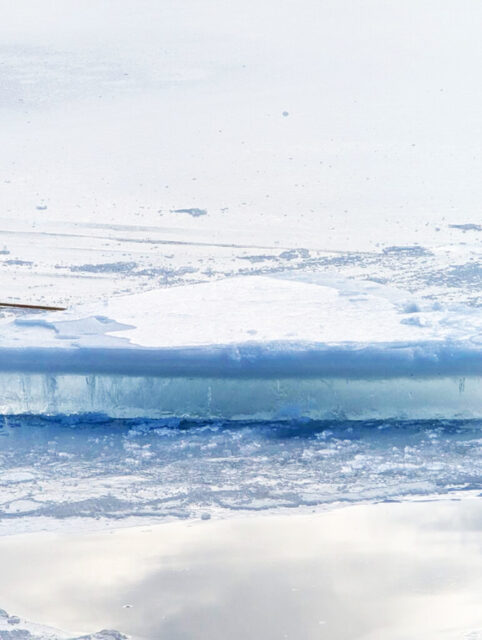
[389, 571]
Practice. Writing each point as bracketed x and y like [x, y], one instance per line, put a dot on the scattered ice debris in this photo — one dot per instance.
[466, 227]
[259, 258]
[285, 114]
[107, 267]
[414, 250]
[194, 212]
[416, 321]
[293, 254]
[41, 207]
[411, 307]
[158, 469]
[19, 263]
[465, 277]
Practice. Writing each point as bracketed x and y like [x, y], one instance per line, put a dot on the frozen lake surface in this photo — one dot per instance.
[224, 195]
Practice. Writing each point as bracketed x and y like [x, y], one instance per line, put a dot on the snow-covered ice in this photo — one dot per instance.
[124, 113]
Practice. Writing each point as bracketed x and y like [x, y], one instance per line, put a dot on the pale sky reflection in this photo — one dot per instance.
[369, 572]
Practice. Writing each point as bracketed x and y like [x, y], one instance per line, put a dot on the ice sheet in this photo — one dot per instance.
[260, 347]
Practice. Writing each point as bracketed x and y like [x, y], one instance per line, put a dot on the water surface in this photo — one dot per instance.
[391, 571]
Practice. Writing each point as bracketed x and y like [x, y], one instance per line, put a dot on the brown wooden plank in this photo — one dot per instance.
[38, 307]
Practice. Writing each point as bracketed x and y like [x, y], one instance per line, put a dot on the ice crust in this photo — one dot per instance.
[253, 347]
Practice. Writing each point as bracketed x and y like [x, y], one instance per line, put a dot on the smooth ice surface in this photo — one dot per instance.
[86, 471]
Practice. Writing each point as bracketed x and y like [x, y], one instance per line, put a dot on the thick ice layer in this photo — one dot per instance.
[241, 398]
[253, 347]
